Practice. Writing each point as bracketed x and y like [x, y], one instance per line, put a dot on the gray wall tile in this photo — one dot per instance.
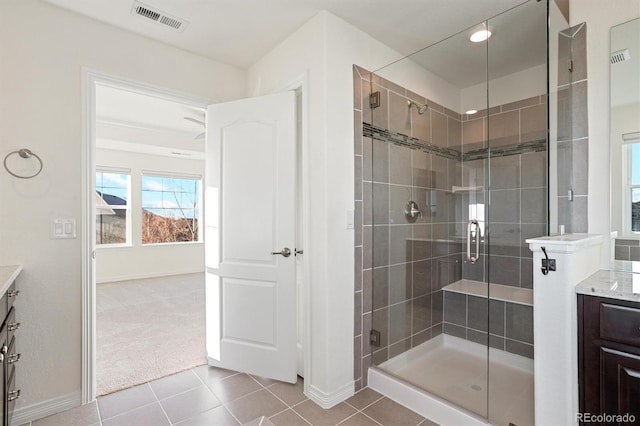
[399, 114]
[504, 129]
[504, 270]
[399, 321]
[400, 283]
[478, 312]
[455, 308]
[496, 317]
[519, 322]
[519, 348]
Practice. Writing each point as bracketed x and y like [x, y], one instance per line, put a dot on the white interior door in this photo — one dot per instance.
[250, 210]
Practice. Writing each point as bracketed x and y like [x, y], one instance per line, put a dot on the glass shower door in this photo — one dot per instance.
[429, 293]
[454, 182]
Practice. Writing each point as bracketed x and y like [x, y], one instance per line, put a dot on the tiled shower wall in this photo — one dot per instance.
[409, 312]
[419, 259]
[573, 130]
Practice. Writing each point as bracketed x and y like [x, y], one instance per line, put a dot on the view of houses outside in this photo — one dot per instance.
[170, 208]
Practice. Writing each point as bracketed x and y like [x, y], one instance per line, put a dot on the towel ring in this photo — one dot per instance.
[23, 153]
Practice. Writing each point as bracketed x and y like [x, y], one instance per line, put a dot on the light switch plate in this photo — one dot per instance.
[62, 229]
[350, 218]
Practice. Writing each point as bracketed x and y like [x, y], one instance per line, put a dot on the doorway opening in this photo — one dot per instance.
[149, 251]
[125, 206]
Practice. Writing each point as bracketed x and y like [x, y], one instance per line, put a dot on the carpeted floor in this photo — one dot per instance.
[147, 329]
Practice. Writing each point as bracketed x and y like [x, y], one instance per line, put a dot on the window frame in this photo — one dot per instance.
[628, 142]
[199, 205]
[127, 207]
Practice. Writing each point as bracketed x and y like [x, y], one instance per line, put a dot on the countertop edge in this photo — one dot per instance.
[609, 284]
[8, 274]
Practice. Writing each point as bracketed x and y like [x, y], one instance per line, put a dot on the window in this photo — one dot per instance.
[170, 209]
[113, 221]
[632, 214]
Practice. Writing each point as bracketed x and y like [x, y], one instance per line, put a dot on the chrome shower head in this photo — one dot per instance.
[421, 108]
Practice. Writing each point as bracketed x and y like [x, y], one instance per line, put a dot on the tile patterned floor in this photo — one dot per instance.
[211, 396]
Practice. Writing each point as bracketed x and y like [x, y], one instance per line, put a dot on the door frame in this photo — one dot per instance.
[91, 78]
[301, 82]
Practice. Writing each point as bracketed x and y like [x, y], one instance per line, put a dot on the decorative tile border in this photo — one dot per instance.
[381, 134]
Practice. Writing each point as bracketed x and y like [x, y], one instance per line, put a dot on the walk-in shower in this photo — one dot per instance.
[446, 299]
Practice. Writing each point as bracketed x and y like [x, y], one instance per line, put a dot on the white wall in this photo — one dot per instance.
[42, 52]
[325, 49]
[152, 260]
[600, 16]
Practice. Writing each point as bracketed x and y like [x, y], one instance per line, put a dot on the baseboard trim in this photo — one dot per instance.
[328, 400]
[39, 410]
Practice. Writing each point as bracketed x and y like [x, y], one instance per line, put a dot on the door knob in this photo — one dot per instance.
[286, 252]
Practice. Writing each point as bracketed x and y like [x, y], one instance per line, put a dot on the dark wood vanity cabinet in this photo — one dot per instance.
[8, 354]
[609, 356]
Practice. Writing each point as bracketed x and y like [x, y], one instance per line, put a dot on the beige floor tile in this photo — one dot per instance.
[260, 421]
[234, 387]
[318, 416]
[260, 403]
[187, 404]
[175, 384]
[149, 415]
[84, 415]
[359, 419]
[364, 398]
[218, 416]
[388, 412]
[210, 374]
[263, 380]
[290, 394]
[288, 418]
[125, 400]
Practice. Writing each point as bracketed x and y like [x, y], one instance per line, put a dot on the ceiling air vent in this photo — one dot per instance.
[620, 56]
[158, 16]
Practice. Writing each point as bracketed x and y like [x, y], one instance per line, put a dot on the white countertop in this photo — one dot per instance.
[612, 284]
[567, 243]
[8, 274]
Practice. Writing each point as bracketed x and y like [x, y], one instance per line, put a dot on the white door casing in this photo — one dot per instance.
[250, 206]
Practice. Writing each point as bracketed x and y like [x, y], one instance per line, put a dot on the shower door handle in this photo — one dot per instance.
[473, 259]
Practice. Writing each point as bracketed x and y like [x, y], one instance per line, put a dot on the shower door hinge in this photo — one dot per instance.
[374, 100]
[570, 65]
[374, 338]
[570, 194]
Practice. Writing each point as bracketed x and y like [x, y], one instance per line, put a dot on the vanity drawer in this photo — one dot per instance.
[12, 392]
[620, 324]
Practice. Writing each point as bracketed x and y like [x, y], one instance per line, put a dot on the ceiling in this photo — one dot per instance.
[240, 32]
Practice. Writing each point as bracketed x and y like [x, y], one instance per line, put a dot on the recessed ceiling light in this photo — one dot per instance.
[480, 35]
[471, 111]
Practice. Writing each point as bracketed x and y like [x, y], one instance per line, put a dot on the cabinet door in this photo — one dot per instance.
[620, 387]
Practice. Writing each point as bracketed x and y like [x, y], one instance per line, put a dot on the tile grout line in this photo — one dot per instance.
[222, 404]
[98, 410]
[160, 404]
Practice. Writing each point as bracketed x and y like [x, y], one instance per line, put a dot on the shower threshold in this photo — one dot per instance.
[445, 380]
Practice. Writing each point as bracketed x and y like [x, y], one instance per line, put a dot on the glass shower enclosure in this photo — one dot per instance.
[454, 180]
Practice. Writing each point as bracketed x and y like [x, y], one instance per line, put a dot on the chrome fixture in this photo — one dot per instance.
[473, 259]
[421, 108]
[25, 154]
[411, 211]
[286, 252]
